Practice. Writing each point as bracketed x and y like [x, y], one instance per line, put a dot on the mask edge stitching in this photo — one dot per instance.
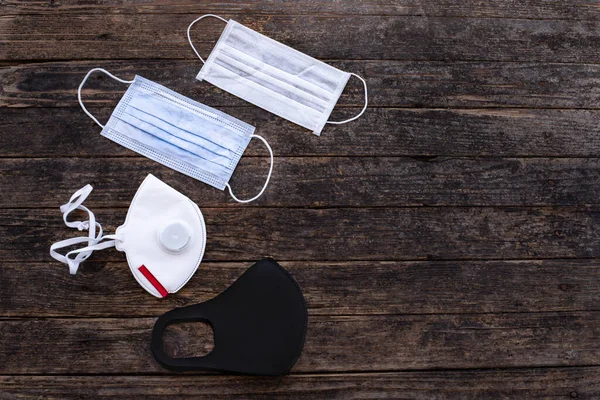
[213, 54]
[341, 86]
[169, 161]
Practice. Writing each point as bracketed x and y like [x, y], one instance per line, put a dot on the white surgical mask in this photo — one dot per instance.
[178, 132]
[163, 236]
[273, 76]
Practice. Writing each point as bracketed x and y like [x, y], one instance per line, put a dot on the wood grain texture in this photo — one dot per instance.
[573, 382]
[330, 288]
[317, 181]
[343, 234]
[333, 343]
[67, 132]
[159, 36]
[549, 9]
[447, 242]
[417, 84]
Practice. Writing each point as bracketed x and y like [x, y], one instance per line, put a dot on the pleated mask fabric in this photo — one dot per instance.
[183, 134]
[274, 76]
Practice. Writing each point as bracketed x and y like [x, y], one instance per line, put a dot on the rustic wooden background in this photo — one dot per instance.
[448, 242]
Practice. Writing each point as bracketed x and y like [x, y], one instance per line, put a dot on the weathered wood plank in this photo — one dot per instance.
[342, 234]
[330, 288]
[572, 382]
[318, 181]
[391, 84]
[575, 9]
[135, 36]
[333, 344]
[56, 132]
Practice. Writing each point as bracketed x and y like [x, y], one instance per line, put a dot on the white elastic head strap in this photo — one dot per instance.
[93, 240]
[81, 86]
[189, 27]
[82, 254]
[268, 176]
[75, 204]
[364, 108]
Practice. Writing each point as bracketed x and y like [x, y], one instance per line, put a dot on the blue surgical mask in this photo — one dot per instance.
[189, 137]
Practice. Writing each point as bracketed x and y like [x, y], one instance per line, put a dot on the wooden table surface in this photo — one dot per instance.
[447, 242]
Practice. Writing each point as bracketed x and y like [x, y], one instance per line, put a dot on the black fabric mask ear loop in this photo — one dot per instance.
[186, 314]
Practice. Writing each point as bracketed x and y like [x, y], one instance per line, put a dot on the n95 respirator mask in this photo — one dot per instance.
[163, 236]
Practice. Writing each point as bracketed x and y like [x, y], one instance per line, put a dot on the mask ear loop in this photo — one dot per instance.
[363, 110]
[266, 182]
[88, 250]
[92, 239]
[189, 27]
[81, 86]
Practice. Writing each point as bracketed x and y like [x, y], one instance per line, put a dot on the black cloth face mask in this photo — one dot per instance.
[259, 325]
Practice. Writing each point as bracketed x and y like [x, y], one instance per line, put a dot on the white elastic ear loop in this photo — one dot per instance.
[363, 110]
[189, 27]
[81, 86]
[73, 264]
[82, 254]
[75, 204]
[268, 176]
[93, 240]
